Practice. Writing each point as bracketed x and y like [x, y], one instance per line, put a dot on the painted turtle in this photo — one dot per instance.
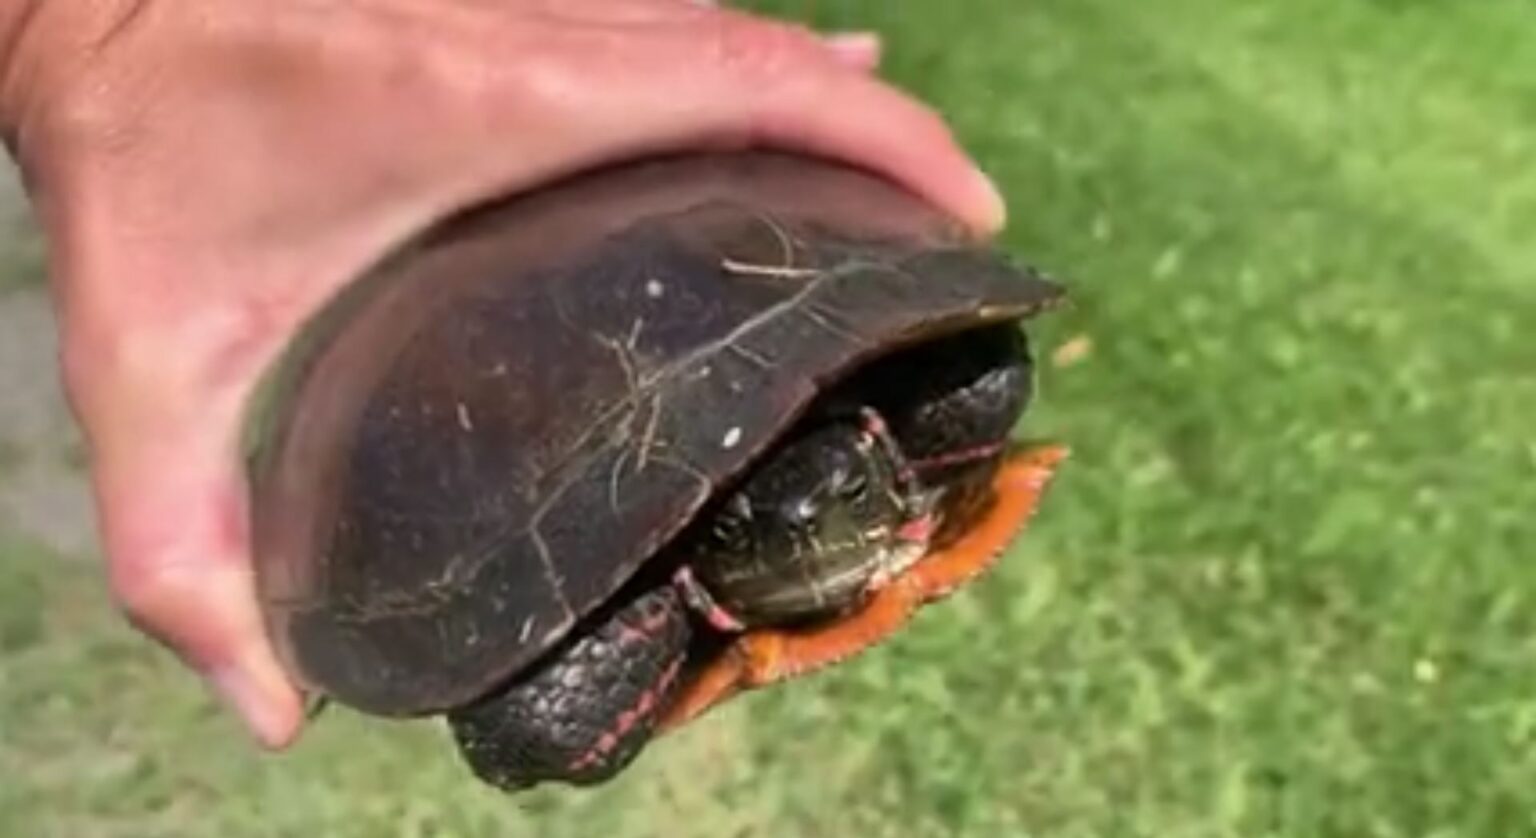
[576, 467]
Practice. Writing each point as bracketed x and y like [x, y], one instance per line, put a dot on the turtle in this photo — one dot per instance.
[574, 467]
[829, 545]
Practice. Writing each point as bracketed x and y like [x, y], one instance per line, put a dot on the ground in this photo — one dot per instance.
[1282, 589]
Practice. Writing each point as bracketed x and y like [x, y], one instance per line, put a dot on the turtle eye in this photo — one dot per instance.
[854, 487]
[729, 528]
[729, 531]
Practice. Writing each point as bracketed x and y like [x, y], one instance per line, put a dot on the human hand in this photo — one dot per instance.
[208, 174]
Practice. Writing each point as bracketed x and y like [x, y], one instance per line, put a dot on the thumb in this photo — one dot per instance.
[173, 514]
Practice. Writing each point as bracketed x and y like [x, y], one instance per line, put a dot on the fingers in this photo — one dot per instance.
[775, 91]
[725, 79]
[770, 88]
[860, 50]
[609, 12]
[822, 107]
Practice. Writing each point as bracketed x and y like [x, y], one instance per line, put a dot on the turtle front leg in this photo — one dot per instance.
[767, 656]
[588, 711]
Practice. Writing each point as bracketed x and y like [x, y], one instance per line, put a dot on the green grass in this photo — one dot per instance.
[22, 260]
[1282, 589]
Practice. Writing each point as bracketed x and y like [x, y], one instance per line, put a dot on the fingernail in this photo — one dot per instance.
[995, 208]
[858, 49]
[259, 707]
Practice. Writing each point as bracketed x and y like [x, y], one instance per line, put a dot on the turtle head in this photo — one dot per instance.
[830, 515]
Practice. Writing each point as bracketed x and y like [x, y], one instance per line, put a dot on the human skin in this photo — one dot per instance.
[206, 174]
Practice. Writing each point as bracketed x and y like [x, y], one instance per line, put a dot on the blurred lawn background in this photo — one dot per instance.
[1284, 589]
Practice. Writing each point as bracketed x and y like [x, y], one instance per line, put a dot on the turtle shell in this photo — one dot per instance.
[483, 439]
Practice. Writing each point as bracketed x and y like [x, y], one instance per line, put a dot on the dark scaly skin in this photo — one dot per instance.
[587, 712]
[946, 408]
[586, 715]
[809, 530]
[953, 405]
[911, 440]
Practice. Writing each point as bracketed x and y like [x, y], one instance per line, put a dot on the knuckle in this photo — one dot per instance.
[103, 369]
[147, 592]
[171, 604]
[151, 576]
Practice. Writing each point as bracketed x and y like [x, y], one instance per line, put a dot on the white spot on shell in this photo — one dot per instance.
[464, 421]
[654, 289]
[732, 438]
